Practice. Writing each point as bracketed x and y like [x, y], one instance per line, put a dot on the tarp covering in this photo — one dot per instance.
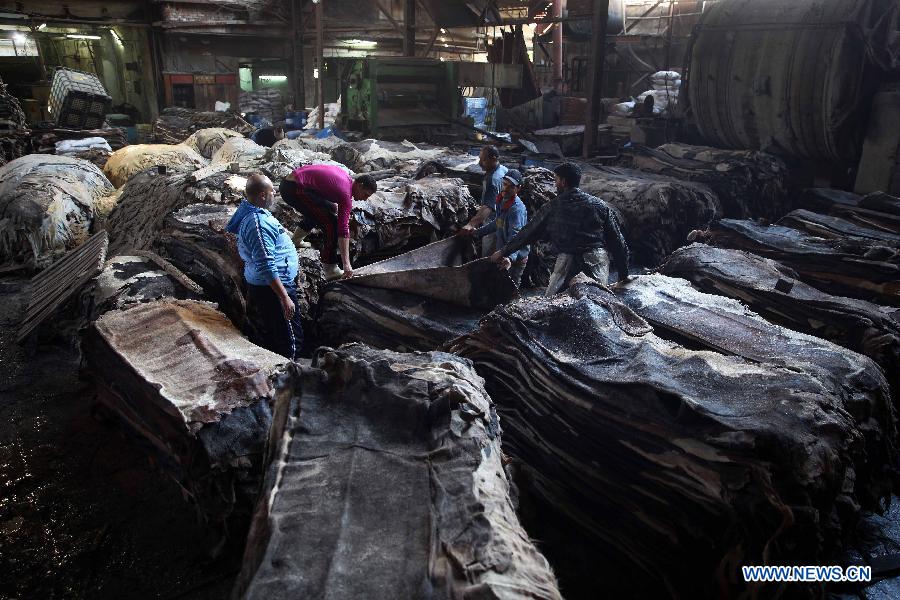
[682, 463]
[386, 481]
[46, 207]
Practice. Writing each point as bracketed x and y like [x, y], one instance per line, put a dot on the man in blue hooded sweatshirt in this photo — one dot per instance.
[270, 269]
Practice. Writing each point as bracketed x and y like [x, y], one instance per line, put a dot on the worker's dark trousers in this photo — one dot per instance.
[317, 212]
[269, 328]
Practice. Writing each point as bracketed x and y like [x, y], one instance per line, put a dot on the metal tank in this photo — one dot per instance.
[794, 77]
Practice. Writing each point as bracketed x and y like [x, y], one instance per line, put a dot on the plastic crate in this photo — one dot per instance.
[78, 100]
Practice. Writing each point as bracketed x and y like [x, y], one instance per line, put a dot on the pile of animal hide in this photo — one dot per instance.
[681, 313]
[538, 189]
[657, 212]
[267, 104]
[239, 150]
[45, 139]
[46, 207]
[174, 125]
[405, 214]
[193, 239]
[377, 155]
[14, 144]
[148, 198]
[682, 463]
[852, 266]
[837, 228]
[124, 164]
[415, 301]
[129, 280]
[95, 156]
[750, 184]
[207, 142]
[284, 158]
[12, 117]
[390, 319]
[386, 480]
[188, 387]
[15, 138]
[877, 210]
[776, 293]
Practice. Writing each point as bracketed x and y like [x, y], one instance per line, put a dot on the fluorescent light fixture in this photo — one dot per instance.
[42, 26]
[81, 36]
[19, 37]
[443, 30]
[315, 73]
[273, 77]
[116, 37]
[361, 43]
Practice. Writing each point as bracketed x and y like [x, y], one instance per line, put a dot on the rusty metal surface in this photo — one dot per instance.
[52, 287]
[436, 271]
[199, 362]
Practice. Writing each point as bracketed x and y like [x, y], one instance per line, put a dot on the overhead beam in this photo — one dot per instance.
[389, 16]
[595, 75]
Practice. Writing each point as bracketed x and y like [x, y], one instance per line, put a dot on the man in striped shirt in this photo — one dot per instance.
[270, 269]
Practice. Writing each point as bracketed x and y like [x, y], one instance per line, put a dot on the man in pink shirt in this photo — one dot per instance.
[324, 195]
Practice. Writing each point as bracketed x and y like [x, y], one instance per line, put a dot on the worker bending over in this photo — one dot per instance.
[324, 195]
[580, 228]
[510, 216]
[270, 269]
[489, 161]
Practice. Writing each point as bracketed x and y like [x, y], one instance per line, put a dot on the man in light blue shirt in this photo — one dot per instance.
[489, 161]
[270, 269]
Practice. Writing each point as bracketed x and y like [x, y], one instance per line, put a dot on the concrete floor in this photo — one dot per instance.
[83, 514]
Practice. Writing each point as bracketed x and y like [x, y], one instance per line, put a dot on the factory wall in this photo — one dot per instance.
[122, 62]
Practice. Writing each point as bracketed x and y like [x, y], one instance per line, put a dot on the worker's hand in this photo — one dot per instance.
[348, 272]
[497, 256]
[466, 231]
[287, 305]
[504, 263]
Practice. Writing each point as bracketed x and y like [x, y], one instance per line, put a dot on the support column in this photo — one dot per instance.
[297, 50]
[558, 6]
[595, 75]
[409, 28]
[320, 64]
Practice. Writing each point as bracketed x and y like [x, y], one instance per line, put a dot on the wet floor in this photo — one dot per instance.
[83, 513]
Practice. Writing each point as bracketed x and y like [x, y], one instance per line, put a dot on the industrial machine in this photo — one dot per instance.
[394, 97]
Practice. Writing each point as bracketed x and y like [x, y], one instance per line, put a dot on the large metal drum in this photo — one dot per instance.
[790, 76]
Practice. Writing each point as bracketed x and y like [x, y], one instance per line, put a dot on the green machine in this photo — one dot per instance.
[398, 97]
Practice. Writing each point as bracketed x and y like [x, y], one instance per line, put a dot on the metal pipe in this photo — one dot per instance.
[558, 6]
